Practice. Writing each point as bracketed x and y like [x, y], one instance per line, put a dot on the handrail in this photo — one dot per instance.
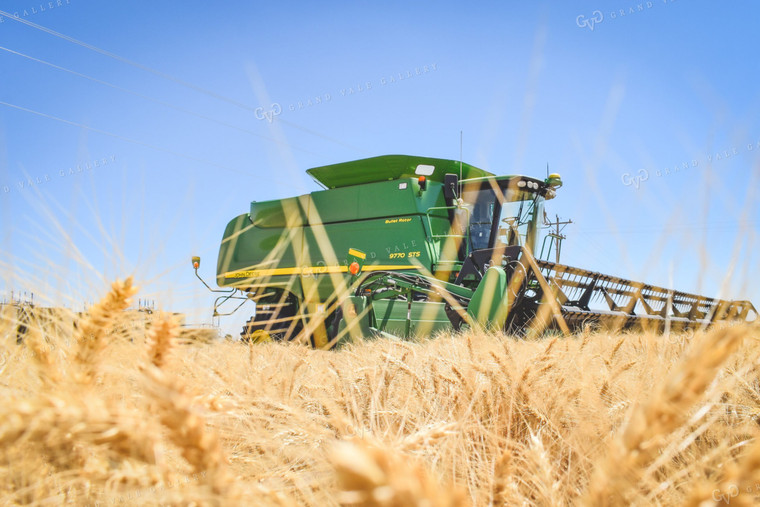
[430, 224]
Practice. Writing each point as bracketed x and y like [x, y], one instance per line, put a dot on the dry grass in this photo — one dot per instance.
[478, 419]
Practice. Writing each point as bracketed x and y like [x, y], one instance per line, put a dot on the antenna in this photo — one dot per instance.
[460, 164]
[547, 170]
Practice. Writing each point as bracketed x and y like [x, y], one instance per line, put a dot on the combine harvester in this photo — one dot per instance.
[408, 246]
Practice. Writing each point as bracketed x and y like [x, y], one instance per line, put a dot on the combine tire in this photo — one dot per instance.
[253, 335]
[276, 319]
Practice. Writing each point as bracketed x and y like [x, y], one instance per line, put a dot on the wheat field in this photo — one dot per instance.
[108, 414]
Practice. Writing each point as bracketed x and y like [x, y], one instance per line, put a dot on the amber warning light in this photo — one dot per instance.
[196, 262]
[355, 261]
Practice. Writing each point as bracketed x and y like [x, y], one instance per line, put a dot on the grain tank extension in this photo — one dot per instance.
[402, 245]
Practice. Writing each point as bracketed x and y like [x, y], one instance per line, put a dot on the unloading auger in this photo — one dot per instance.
[403, 246]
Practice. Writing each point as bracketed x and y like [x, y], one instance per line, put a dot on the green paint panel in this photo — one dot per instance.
[389, 167]
[291, 212]
[374, 200]
[390, 316]
[309, 236]
[490, 303]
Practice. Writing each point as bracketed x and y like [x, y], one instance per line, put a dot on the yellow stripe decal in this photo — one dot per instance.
[387, 268]
[309, 270]
[357, 253]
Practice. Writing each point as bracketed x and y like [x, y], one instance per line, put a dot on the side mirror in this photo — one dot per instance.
[450, 185]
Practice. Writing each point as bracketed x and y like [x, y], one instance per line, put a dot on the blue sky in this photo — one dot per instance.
[613, 95]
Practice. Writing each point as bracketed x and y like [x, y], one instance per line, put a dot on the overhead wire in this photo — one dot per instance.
[725, 225]
[127, 61]
[146, 97]
[162, 75]
[117, 136]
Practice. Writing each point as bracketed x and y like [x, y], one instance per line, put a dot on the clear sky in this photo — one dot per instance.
[191, 110]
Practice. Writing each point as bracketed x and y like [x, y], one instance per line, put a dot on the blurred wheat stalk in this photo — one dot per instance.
[479, 419]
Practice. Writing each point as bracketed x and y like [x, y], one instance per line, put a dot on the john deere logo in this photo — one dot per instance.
[583, 21]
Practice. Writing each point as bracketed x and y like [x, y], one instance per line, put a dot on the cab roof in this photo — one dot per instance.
[391, 167]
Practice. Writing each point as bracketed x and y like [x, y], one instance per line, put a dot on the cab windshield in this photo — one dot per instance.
[509, 217]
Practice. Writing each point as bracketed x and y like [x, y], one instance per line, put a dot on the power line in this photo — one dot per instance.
[318, 134]
[137, 65]
[162, 75]
[726, 225]
[151, 99]
[117, 136]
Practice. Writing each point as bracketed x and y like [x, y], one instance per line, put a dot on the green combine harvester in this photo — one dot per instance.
[408, 246]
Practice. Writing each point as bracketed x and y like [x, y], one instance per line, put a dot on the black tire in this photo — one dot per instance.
[276, 319]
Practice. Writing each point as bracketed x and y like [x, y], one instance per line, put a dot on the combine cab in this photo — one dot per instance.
[407, 246]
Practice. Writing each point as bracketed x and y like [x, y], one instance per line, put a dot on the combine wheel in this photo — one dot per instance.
[276, 319]
[253, 335]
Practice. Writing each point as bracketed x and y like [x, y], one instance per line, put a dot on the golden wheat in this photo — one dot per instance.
[480, 419]
[161, 338]
[94, 327]
[376, 477]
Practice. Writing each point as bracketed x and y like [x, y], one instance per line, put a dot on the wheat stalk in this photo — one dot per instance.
[94, 327]
[58, 426]
[649, 426]
[187, 429]
[373, 476]
[161, 338]
[46, 364]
